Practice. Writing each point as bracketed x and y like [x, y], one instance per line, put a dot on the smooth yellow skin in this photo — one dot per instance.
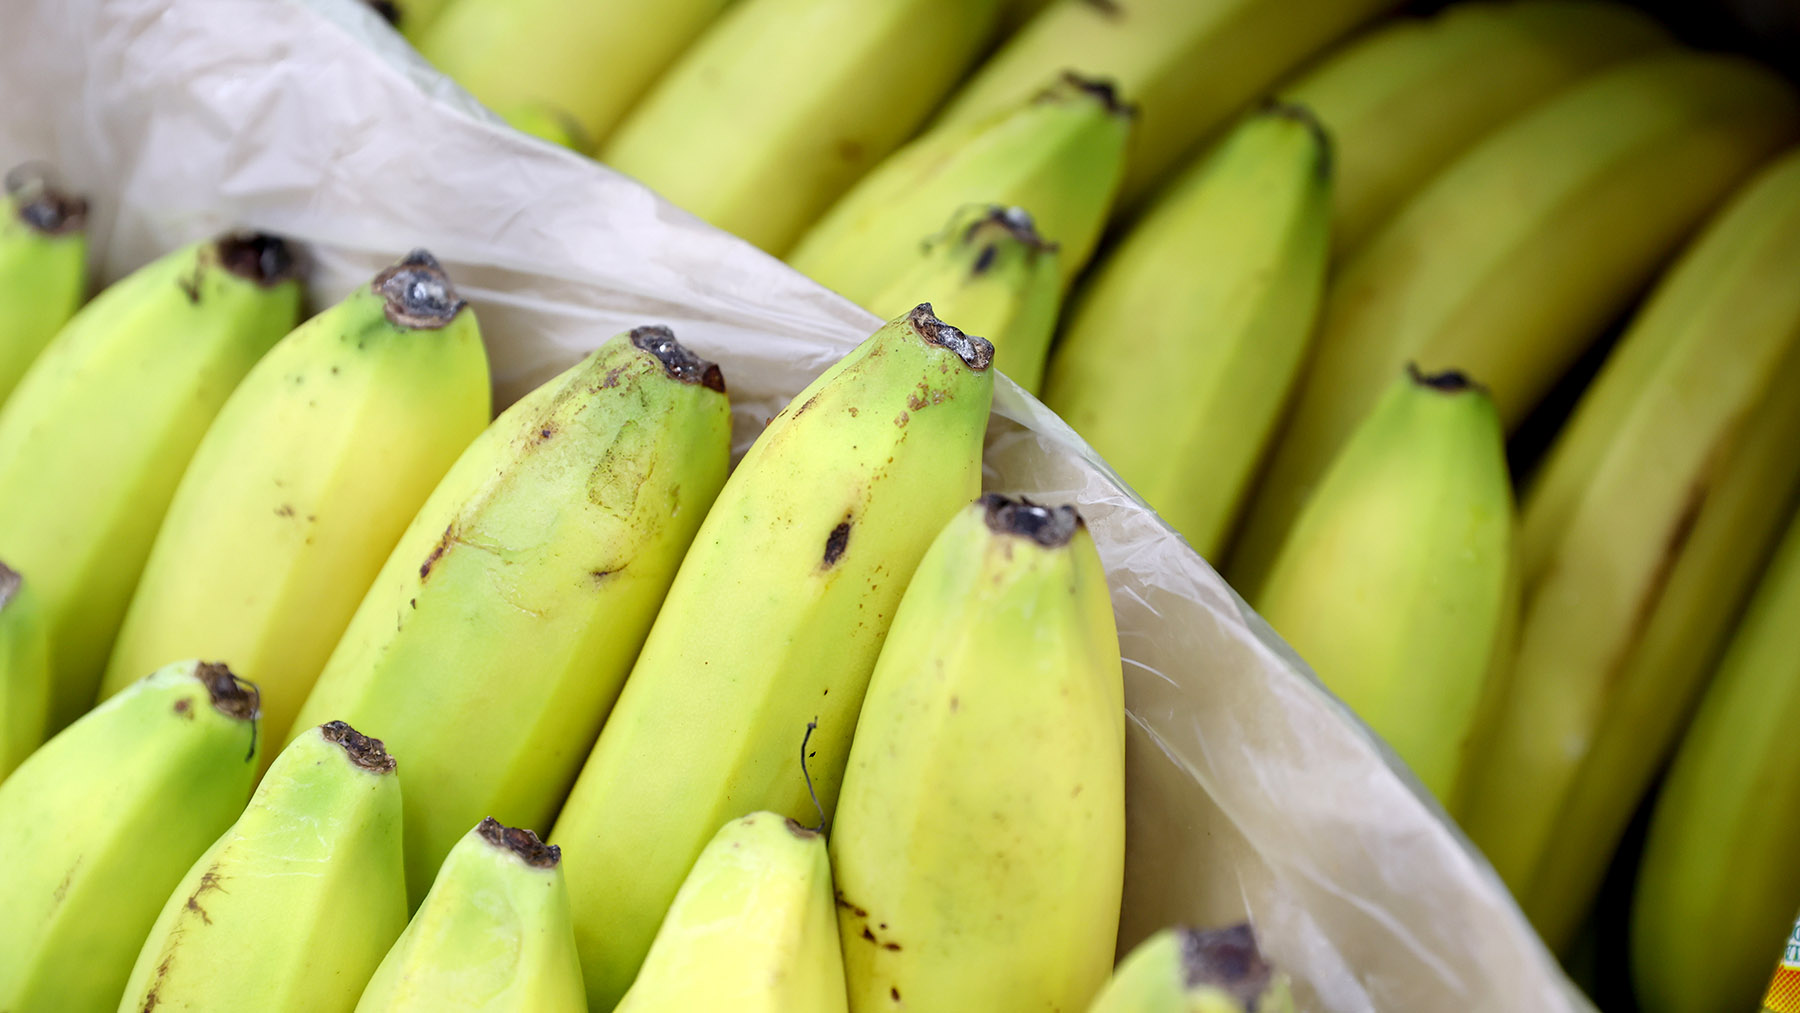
[95, 439]
[1182, 347]
[1642, 534]
[493, 936]
[752, 930]
[43, 280]
[1154, 978]
[297, 493]
[760, 634]
[1058, 156]
[294, 906]
[24, 671]
[96, 829]
[1404, 99]
[979, 843]
[519, 596]
[1515, 256]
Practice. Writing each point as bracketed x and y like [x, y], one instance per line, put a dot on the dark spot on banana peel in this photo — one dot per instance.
[162, 973]
[984, 260]
[975, 352]
[418, 293]
[437, 552]
[1050, 527]
[600, 576]
[894, 990]
[844, 902]
[368, 753]
[520, 842]
[284, 510]
[1227, 959]
[42, 204]
[677, 359]
[544, 434]
[836, 543]
[867, 934]
[265, 259]
[802, 409]
[184, 708]
[209, 880]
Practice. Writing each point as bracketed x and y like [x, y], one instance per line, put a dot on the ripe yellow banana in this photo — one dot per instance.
[1405, 99]
[24, 671]
[1058, 155]
[95, 438]
[519, 596]
[1219, 285]
[774, 620]
[303, 483]
[97, 827]
[493, 935]
[1188, 64]
[992, 273]
[1642, 533]
[1184, 970]
[752, 929]
[1516, 255]
[43, 268]
[1398, 583]
[979, 844]
[294, 906]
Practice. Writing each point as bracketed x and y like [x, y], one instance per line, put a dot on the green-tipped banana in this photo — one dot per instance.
[992, 273]
[1188, 64]
[773, 621]
[295, 905]
[979, 844]
[1512, 259]
[1642, 534]
[24, 671]
[97, 827]
[493, 935]
[784, 104]
[1058, 155]
[1181, 350]
[550, 124]
[1184, 970]
[1398, 583]
[43, 268]
[1405, 99]
[521, 593]
[95, 439]
[752, 929]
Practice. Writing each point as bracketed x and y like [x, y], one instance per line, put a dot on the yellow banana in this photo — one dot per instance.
[95, 438]
[303, 483]
[1517, 254]
[1184, 970]
[492, 936]
[519, 596]
[752, 929]
[773, 620]
[1057, 155]
[24, 671]
[1641, 535]
[293, 907]
[1398, 583]
[1218, 284]
[1014, 13]
[990, 271]
[97, 827]
[43, 268]
[979, 844]
[550, 124]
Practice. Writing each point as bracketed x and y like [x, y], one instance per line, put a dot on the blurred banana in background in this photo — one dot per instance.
[43, 267]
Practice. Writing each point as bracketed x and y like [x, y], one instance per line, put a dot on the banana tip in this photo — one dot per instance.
[261, 257]
[1450, 381]
[1304, 116]
[976, 353]
[367, 753]
[677, 359]
[1050, 527]
[1227, 959]
[42, 204]
[231, 696]
[418, 292]
[10, 582]
[520, 842]
[1100, 89]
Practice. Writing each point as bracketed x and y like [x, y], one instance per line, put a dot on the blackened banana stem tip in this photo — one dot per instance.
[975, 352]
[677, 359]
[1306, 117]
[418, 293]
[1050, 527]
[520, 842]
[1450, 381]
[1226, 959]
[367, 753]
[1103, 90]
[45, 206]
[231, 696]
[259, 257]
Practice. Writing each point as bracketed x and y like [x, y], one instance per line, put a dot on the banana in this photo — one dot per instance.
[1220, 282]
[1509, 261]
[295, 905]
[1399, 582]
[302, 484]
[493, 935]
[991, 271]
[550, 124]
[779, 108]
[1185, 970]
[752, 929]
[1641, 535]
[1189, 65]
[24, 671]
[411, 17]
[1057, 155]
[773, 620]
[519, 596]
[43, 268]
[97, 827]
[979, 846]
[95, 438]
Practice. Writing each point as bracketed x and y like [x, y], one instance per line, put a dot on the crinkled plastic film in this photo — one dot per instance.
[1251, 790]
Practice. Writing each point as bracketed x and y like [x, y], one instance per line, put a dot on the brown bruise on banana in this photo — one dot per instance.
[975, 352]
[42, 205]
[10, 583]
[835, 544]
[1304, 116]
[520, 842]
[869, 928]
[678, 361]
[367, 753]
[1050, 527]
[418, 293]
[1226, 959]
[1450, 381]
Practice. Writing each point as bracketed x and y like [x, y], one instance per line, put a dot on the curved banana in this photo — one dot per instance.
[43, 268]
[24, 671]
[520, 594]
[493, 935]
[1058, 155]
[1519, 253]
[293, 907]
[1184, 970]
[778, 609]
[303, 483]
[979, 844]
[94, 440]
[752, 929]
[1219, 285]
[1642, 533]
[98, 825]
